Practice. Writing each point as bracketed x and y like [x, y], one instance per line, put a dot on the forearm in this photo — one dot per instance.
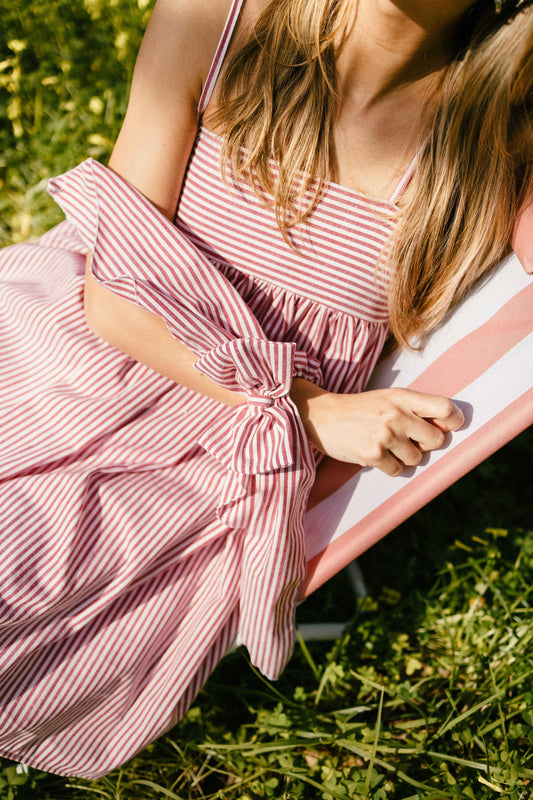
[145, 337]
[387, 429]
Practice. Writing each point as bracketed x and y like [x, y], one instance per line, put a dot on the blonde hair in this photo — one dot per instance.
[472, 178]
[473, 173]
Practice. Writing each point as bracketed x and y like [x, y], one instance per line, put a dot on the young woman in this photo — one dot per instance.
[292, 178]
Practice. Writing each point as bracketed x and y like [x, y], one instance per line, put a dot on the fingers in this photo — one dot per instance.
[427, 435]
[393, 462]
[442, 412]
[433, 416]
[389, 465]
[401, 453]
[407, 453]
[384, 428]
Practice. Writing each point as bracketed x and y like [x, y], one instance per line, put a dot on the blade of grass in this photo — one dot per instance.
[236, 785]
[307, 655]
[375, 745]
[492, 786]
[523, 772]
[365, 754]
[452, 723]
[88, 789]
[311, 782]
[270, 685]
[157, 788]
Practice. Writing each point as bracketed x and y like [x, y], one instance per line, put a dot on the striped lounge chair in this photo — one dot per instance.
[483, 358]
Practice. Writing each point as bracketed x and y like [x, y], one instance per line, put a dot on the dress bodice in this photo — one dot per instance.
[334, 255]
[324, 290]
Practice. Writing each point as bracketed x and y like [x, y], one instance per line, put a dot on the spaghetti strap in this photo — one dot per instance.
[220, 55]
[404, 180]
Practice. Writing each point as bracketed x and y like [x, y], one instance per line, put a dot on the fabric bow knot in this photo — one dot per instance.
[257, 439]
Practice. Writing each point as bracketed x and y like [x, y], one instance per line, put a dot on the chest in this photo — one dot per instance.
[373, 148]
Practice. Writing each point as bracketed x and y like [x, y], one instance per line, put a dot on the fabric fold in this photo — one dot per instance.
[142, 257]
[259, 439]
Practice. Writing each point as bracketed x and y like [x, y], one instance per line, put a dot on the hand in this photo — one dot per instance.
[386, 428]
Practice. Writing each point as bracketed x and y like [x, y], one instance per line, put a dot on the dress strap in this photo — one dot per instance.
[220, 55]
[404, 180]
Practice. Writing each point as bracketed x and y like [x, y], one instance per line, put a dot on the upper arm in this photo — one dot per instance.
[160, 126]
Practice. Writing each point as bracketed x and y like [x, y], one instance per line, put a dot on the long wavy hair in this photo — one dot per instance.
[473, 173]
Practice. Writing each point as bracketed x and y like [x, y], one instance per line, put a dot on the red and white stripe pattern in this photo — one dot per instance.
[482, 358]
[335, 256]
[144, 526]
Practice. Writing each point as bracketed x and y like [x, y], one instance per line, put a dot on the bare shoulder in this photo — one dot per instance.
[181, 38]
[158, 132]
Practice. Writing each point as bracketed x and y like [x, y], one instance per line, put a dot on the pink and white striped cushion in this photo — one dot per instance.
[481, 357]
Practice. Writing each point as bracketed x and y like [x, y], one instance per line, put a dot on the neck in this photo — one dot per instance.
[397, 42]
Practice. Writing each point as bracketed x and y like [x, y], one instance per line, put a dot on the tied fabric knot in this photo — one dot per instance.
[262, 402]
[254, 366]
[257, 438]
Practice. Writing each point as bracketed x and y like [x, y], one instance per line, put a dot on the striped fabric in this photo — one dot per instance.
[346, 229]
[144, 527]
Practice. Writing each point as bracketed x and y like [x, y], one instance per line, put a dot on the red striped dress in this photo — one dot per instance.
[144, 526]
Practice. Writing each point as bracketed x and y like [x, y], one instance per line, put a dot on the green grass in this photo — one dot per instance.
[64, 74]
[429, 693]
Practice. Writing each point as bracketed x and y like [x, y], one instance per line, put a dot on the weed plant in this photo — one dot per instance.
[428, 694]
